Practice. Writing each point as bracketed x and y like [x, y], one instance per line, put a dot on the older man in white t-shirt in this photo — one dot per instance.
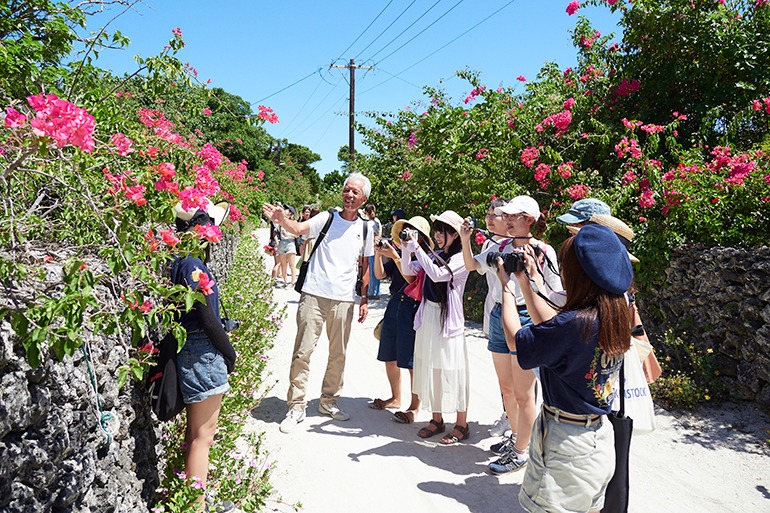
[328, 296]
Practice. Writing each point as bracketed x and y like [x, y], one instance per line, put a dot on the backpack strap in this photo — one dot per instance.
[322, 234]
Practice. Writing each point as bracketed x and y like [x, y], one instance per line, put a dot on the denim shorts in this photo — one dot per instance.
[286, 247]
[202, 369]
[397, 336]
[497, 342]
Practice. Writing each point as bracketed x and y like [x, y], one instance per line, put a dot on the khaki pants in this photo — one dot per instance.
[312, 312]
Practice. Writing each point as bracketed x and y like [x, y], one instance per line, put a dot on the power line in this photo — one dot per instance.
[315, 108]
[423, 30]
[435, 52]
[407, 28]
[322, 115]
[288, 86]
[386, 29]
[335, 118]
[367, 28]
[303, 105]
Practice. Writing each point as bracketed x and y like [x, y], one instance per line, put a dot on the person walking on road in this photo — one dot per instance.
[328, 295]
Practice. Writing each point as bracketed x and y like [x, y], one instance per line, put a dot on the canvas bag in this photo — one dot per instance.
[638, 403]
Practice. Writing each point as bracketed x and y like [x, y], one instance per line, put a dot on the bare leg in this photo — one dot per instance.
[290, 257]
[282, 259]
[414, 406]
[394, 378]
[201, 428]
[504, 370]
[524, 389]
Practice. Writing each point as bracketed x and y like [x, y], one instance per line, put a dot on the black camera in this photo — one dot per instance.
[471, 222]
[512, 262]
[381, 243]
[230, 324]
[407, 234]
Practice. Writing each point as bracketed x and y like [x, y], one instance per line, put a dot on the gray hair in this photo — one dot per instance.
[358, 177]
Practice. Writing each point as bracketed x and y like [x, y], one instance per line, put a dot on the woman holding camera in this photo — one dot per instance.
[579, 351]
[397, 335]
[440, 353]
[522, 218]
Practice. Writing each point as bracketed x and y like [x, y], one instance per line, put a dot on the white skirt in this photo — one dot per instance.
[441, 377]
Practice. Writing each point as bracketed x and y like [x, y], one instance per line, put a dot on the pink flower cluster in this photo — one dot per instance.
[572, 7]
[645, 198]
[569, 104]
[267, 114]
[541, 172]
[587, 41]
[474, 93]
[652, 129]
[578, 191]
[122, 144]
[628, 177]
[211, 157]
[591, 73]
[630, 146]
[560, 121]
[565, 170]
[13, 118]
[62, 121]
[757, 104]
[625, 88]
[631, 124]
[119, 184]
[162, 127]
[529, 156]
[480, 238]
[482, 153]
[521, 78]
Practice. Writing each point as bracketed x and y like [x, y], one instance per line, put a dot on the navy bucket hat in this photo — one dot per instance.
[603, 258]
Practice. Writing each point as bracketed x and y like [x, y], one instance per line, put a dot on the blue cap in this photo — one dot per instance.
[603, 258]
[582, 210]
[399, 213]
[290, 208]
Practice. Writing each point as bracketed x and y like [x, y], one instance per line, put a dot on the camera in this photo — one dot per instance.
[512, 262]
[408, 233]
[230, 324]
[471, 222]
[381, 243]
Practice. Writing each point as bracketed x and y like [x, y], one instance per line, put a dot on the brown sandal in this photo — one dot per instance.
[451, 439]
[404, 417]
[377, 404]
[427, 433]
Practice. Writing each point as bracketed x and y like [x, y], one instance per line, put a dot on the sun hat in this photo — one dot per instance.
[583, 209]
[603, 258]
[399, 213]
[419, 223]
[621, 229]
[214, 214]
[520, 205]
[449, 217]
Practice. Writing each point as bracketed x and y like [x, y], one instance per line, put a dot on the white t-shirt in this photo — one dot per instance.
[552, 280]
[334, 266]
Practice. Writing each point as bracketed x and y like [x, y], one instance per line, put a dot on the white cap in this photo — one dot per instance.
[520, 205]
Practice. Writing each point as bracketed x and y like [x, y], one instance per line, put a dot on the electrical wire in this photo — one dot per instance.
[386, 29]
[303, 106]
[314, 109]
[321, 116]
[335, 118]
[423, 30]
[436, 51]
[407, 28]
[288, 86]
[364, 32]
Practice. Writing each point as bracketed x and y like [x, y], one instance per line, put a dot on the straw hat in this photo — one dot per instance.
[417, 222]
[621, 229]
[449, 217]
[213, 214]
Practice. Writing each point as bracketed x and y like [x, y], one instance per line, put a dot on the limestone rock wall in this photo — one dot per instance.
[719, 297]
[54, 454]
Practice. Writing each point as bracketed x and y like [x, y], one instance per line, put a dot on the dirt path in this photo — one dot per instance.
[372, 464]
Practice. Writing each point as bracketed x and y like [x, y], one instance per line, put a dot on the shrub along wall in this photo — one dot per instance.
[54, 456]
[720, 297]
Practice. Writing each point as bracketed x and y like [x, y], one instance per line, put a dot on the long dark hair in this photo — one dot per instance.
[593, 303]
[446, 254]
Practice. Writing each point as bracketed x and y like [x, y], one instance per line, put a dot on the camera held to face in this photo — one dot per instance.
[381, 243]
[471, 222]
[408, 233]
[512, 262]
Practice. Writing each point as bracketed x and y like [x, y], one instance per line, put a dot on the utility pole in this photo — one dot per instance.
[352, 67]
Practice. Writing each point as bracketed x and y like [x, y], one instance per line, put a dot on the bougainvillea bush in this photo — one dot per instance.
[691, 174]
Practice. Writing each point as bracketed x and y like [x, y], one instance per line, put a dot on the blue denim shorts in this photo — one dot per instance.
[202, 369]
[397, 336]
[497, 342]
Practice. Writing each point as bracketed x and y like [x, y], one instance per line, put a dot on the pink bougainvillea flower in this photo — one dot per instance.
[210, 232]
[529, 156]
[146, 306]
[62, 121]
[122, 143]
[136, 194]
[480, 238]
[541, 172]
[207, 112]
[206, 283]
[569, 104]
[267, 114]
[521, 78]
[235, 214]
[192, 198]
[14, 118]
[565, 170]
[572, 7]
[169, 238]
[578, 191]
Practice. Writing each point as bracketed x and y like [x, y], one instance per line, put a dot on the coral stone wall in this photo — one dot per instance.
[718, 298]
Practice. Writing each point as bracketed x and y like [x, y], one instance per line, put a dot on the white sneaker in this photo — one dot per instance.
[333, 410]
[294, 417]
[500, 426]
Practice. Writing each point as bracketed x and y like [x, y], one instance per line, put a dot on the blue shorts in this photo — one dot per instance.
[497, 342]
[202, 369]
[397, 336]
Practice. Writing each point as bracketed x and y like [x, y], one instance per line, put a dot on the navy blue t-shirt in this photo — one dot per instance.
[577, 376]
[397, 282]
[186, 271]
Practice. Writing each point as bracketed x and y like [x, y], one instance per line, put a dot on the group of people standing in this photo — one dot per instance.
[567, 328]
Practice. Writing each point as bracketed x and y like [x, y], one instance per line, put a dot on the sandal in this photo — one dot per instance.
[404, 417]
[377, 404]
[451, 439]
[427, 433]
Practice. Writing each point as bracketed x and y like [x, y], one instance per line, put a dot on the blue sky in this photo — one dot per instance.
[256, 48]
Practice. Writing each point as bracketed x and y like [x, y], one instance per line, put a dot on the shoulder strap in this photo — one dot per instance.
[366, 232]
[322, 234]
